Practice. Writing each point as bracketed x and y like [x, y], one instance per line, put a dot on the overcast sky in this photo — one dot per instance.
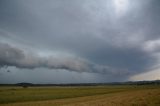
[79, 41]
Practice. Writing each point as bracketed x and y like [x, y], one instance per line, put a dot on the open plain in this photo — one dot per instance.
[113, 95]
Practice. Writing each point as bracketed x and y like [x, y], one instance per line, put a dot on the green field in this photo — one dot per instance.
[17, 95]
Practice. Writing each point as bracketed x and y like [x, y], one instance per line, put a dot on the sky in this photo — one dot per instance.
[79, 41]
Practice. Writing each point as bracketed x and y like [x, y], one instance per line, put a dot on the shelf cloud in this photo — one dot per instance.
[98, 40]
[12, 56]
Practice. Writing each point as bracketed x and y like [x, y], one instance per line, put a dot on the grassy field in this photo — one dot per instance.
[80, 96]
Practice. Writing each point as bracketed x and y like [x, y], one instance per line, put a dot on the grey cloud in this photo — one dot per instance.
[100, 40]
[12, 56]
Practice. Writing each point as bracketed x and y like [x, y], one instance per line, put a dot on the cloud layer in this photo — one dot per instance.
[115, 38]
[12, 56]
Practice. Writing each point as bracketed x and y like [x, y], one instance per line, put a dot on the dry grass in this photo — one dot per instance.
[14, 95]
[141, 97]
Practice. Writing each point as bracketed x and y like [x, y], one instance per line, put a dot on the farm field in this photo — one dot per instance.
[146, 95]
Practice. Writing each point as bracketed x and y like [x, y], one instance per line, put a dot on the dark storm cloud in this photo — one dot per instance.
[135, 60]
[104, 36]
[12, 56]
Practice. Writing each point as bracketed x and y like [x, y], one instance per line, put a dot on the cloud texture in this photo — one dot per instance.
[115, 38]
[12, 56]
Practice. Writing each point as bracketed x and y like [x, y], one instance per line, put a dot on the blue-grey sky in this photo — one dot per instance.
[79, 41]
